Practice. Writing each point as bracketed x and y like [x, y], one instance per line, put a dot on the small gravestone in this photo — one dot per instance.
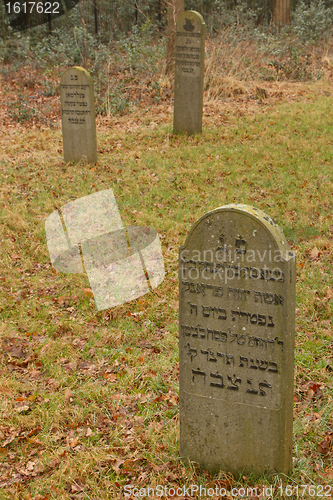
[236, 343]
[78, 116]
[189, 73]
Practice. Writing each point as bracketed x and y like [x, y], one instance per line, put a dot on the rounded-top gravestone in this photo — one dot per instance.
[189, 73]
[78, 116]
[236, 342]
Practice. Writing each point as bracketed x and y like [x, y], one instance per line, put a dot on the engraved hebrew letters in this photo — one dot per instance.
[78, 115]
[236, 331]
[189, 73]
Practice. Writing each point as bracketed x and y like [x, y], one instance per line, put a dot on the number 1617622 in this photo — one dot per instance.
[39, 7]
[305, 489]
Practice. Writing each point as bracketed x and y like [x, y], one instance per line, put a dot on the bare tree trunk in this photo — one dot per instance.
[159, 14]
[49, 20]
[96, 17]
[281, 12]
[136, 7]
[174, 9]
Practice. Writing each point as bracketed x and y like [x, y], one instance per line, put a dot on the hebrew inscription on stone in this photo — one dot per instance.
[236, 331]
[78, 115]
[189, 73]
[230, 302]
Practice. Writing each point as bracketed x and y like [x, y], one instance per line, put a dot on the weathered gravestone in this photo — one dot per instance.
[78, 115]
[236, 342]
[189, 72]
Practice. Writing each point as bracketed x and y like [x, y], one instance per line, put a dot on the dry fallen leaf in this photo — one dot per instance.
[315, 253]
[5, 391]
[329, 473]
[9, 440]
[86, 365]
[30, 466]
[324, 446]
[54, 463]
[142, 477]
[68, 395]
[70, 366]
[110, 376]
[16, 352]
[23, 408]
[35, 430]
[329, 294]
[116, 466]
[87, 292]
[74, 442]
[78, 485]
[71, 434]
[89, 432]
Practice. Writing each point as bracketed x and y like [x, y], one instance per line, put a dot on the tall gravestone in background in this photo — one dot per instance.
[78, 116]
[189, 72]
[236, 342]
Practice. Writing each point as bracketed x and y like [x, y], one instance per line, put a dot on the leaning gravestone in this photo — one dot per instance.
[189, 73]
[236, 342]
[78, 115]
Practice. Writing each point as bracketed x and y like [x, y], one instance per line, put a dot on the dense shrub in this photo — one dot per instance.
[313, 21]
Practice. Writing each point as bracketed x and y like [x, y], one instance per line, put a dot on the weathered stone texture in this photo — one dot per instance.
[236, 342]
[189, 73]
[78, 116]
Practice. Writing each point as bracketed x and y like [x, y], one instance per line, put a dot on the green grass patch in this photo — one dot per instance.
[89, 399]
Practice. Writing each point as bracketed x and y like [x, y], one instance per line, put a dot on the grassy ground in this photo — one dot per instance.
[89, 399]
